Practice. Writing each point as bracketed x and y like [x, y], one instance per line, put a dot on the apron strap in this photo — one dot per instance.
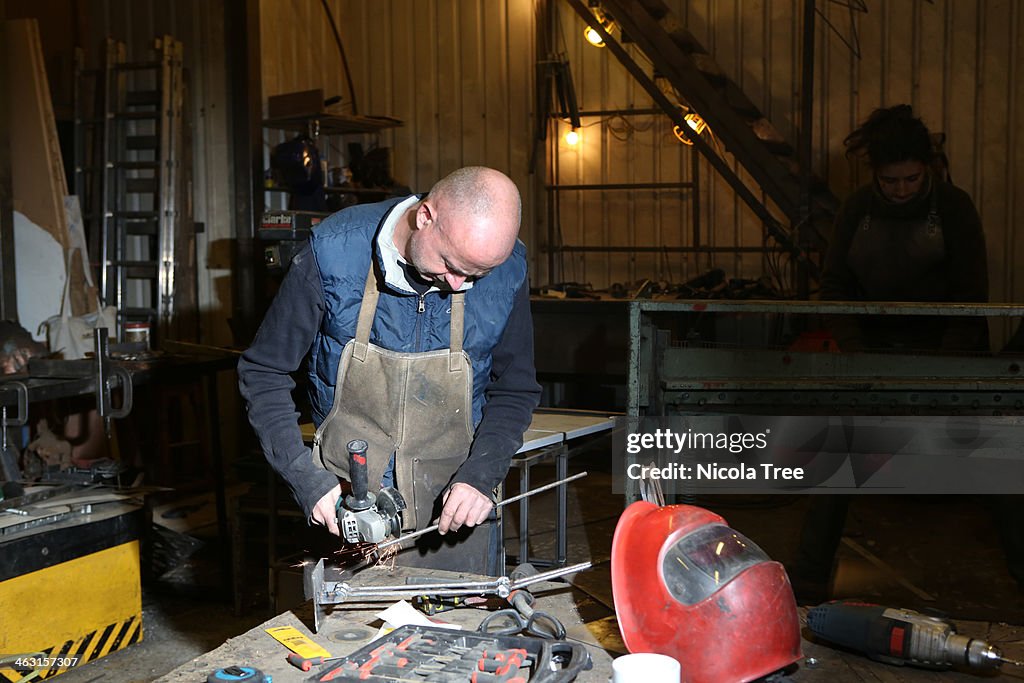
[455, 352]
[367, 309]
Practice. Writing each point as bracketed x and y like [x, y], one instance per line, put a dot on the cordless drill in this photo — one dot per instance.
[901, 636]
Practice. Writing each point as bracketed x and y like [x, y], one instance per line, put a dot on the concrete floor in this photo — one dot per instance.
[920, 553]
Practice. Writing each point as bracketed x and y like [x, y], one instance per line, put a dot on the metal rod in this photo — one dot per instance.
[550, 574]
[444, 589]
[801, 229]
[415, 589]
[433, 527]
[541, 489]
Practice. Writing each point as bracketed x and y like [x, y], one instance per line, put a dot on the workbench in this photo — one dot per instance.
[351, 626]
[552, 436]
[48, 379]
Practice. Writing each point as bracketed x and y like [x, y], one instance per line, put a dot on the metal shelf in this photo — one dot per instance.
[334, 124]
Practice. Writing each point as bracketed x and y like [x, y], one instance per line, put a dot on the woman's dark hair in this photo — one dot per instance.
[890, 136]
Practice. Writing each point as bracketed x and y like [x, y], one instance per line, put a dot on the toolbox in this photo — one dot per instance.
[431, 653]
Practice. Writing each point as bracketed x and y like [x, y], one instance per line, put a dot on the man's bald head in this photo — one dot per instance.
[480, 210]
[463, 229]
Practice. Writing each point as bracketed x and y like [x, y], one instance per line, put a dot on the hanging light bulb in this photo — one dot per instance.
[694, 122]
[572, 138]
[590, 33]
[593, 37]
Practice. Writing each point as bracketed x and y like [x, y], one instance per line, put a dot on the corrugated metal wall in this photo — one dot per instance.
[458, 72]
[299, 51]
[958, 62]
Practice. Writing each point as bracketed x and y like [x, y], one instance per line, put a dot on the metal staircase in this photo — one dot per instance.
[807, 203]
[134, 187]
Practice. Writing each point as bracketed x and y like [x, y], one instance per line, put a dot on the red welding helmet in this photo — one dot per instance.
[688, 586]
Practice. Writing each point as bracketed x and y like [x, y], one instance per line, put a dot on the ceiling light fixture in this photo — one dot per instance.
[591, 34]
[694, 122]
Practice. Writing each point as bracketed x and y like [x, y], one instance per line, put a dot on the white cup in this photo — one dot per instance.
[645, 667]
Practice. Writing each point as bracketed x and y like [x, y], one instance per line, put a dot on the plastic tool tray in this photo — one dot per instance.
[426, 653]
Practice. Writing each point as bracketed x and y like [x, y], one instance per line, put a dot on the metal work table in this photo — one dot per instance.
[548, 438]
[57, 379]
[675, 370]
[352, 625]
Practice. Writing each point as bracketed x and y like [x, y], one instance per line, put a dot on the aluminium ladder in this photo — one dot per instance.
[133, 185]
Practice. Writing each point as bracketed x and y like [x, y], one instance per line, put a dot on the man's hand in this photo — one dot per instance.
[463, 504]
[325, 512]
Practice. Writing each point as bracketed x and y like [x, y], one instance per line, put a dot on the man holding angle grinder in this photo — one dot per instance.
[413, 317]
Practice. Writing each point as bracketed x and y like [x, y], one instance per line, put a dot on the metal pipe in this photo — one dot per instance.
[242, 41]
[421, 532]
[802, 227]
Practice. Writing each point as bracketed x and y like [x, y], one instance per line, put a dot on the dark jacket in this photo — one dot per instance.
[904, 268]
[314, 316]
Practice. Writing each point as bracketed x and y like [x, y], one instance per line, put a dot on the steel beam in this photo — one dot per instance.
[242, 38]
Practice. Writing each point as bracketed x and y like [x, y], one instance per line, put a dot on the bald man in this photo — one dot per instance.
[412, 317]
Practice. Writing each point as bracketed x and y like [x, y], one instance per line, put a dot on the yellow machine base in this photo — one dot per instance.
[65, 615]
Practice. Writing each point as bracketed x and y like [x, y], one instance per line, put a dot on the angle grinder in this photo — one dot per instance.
[365, 517]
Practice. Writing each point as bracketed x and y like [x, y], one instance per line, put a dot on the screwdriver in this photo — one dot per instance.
[307, 663]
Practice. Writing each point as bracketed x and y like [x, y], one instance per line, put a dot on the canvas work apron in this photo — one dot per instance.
[419, 407]
[900, 259]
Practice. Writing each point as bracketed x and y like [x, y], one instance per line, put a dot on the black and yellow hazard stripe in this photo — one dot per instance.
[89, 647]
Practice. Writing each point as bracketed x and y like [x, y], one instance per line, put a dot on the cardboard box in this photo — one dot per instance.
[304, 103]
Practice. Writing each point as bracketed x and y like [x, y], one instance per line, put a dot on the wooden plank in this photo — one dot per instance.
[518, 142]
[38, 184]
